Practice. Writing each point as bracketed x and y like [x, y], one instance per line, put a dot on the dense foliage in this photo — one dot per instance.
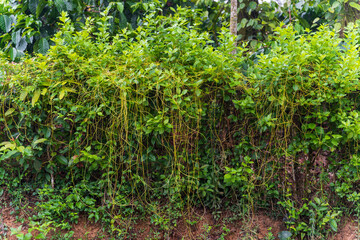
[29, 26]
[149, 120]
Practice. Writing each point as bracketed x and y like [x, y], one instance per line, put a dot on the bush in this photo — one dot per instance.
[159, 114]
[129, 110]
[301, 102]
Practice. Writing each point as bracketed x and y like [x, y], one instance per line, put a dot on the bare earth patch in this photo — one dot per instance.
[348, 231]
[195, 224]
[8, 221]
[84, 229]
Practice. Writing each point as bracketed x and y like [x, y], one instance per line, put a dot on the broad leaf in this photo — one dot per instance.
[35, 97]
[43, 46]
[60, 5]
[333, 225]
[40, 7]
[69, 5]
[62, 160]
[5, 23]
[9, 154]
[33, 6]
[337, 27]
[13, 54]
[335, 4]
[284, 235]
[41, 140]
[62, 93]
[252, 5]
[9, 111]
[27, 236]
[40, 236]
[16, 37]
[120, 6]
[37, 165]
[23, 94]
[21, 46]
[355, 5]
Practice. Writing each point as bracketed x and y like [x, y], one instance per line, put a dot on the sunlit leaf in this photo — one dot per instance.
[35, 97]
[62, 94]
[355, 5]
[9, 111]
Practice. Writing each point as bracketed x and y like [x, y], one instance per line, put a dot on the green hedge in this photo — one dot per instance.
[158, 113]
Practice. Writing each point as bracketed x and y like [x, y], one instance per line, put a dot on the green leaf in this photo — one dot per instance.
[43, 46]
[312, 125]
[355, 5]
[9, 154]
[28, 236]
[62, 160]
[335, 4]
[13, 54]
[304, 23]
[33, 6]
[197, 92]
[44, 91]
[35, 97]
[89, 201]
[40, 236]
[7, 145]
[19, 54]
[16, 37]
[37, 165]
[23, 95]
[9, 111]
[47, 132]
[5, 23]
[40, 7]
[21, 46]
[227, 178]
[284, 235]
[41, 140]
[64, 17]
[60, 6]
[15, 231]
[252, 5]
[333, 225]
[62, 93]
[69, 5]
[123, 20]
[337, 27]
[120, 6]
[242, 23]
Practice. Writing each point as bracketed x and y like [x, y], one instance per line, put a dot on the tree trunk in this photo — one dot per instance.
[233, 20]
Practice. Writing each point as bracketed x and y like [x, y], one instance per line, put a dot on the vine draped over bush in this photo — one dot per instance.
[159, 113]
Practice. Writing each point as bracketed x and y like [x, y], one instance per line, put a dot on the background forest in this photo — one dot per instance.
[152, 113]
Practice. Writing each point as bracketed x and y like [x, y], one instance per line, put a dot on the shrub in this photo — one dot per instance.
[301, 103]
[127, 110]
[159, 114]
